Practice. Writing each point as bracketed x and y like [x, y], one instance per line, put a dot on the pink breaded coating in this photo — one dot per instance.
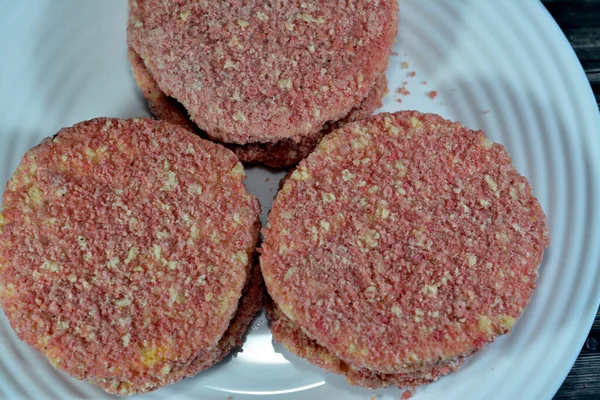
[283, 153]
[404, 241]
[262, 71]
[250, 305]
[161, 106]
[124, 247]
[286, 332]
[287, 152]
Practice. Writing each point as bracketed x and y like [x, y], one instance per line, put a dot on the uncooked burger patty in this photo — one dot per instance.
[280, 154]
[262, 71]
[403, 242]
[124, 248]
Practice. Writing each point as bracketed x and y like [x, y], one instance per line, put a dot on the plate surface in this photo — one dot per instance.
[501, 66]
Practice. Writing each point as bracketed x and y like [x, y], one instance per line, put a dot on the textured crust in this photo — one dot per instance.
[287, 152]
[295, 340]
[125, 247]
[404, 241]
[250, 305]
[280, 154]
[162, 106]
[210, 56]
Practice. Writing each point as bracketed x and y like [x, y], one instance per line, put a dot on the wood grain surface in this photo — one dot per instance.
[580, 21]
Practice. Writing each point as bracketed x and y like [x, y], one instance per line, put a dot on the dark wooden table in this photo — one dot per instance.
[580, 20]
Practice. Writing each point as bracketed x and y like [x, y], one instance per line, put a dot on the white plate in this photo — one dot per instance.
[503, 66]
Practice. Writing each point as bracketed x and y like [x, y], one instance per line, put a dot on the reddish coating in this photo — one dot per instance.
[322, 59]
[124, 247]
[403, 91]
[250, 305]
[295, 340]
[403, 241]
[162, 106]
[433, 94]
[280, 154]
[286, 152]
[412, 74]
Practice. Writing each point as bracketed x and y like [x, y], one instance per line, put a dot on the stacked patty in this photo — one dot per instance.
[266, 78]
[401, 245]
[126, 250]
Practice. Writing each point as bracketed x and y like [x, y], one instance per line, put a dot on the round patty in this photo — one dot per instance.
[286, 332]
[280, 154]
[404, 241]
[250, 305]
[124, 247]
[262, 71]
